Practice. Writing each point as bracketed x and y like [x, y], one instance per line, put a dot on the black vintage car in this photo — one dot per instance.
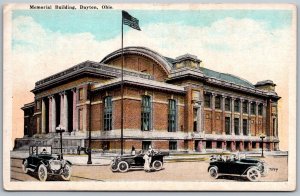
[126, 162]
[253, 169]
[44, 163]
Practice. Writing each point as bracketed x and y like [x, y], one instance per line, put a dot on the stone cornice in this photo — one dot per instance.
[87, 67]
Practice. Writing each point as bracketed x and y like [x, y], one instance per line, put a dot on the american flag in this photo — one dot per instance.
[130, 20]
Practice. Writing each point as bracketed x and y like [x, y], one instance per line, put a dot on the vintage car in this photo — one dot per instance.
[251, 168]
[44, 163]
[126, 162]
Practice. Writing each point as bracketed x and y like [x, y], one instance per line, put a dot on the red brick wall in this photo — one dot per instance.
[96, 117]
[132, 114]
[207, 122]
[218, 122]
[160, 112]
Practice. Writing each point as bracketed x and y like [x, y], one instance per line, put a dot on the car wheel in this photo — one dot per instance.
[253, 174]
[123, 166]
[157, 165]
[114, 166]
[66, 172]
[213, 172]
[42, 173]
[24, 166]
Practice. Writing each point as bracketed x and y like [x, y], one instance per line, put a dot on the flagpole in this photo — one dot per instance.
[122, 91]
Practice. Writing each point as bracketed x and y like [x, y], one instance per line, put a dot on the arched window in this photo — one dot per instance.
[146, 113]
[107, 114]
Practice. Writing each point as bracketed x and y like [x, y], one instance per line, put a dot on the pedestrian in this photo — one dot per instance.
[132, 150]
[147, 159]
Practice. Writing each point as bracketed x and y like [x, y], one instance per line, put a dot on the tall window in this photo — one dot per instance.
[245, 123]
[207, 100]
[227, 104]
[236, 105]
[245, 107]
[172, 145]
[172, 116]
[227, 125]
[236, 126]
[253, 108]
[107, 114]
[218, 102]
[146, 113]
[260, 109]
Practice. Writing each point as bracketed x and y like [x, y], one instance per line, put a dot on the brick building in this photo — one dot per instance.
[171, 104]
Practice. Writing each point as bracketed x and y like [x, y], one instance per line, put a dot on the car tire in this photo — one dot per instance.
[253, 174]
[123, 166]
[157, 165]
[67, 173]
[114, 166]
[213, 172]
[42, 173]
[24, 166]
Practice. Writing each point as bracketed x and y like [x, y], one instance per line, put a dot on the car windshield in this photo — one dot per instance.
[40, 150]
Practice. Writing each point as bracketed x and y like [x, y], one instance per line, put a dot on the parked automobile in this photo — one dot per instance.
[251, 168]
[126, 162]
[44, 163]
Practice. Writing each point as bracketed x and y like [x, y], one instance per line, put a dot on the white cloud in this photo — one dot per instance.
[242, 47]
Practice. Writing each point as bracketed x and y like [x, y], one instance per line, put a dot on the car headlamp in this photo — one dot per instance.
[55, 165]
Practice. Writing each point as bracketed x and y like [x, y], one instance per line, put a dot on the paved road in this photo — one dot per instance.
[177, 171]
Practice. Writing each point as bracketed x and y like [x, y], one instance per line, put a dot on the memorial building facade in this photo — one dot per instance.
[170, 104]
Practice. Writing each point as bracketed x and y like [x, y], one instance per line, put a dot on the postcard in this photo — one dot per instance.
[156, 97]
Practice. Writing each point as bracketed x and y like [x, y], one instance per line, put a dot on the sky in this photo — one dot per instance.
[252, 44]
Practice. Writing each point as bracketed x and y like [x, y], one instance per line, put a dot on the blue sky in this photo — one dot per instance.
[105, 24]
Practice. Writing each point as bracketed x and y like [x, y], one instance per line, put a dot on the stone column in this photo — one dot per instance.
[256, 116]
[249, 117]
[66, 112]
[241, 117]
[50, 113]
[264, 126]
[223, 114]
[199, 123]
[213, 98]
[53, 114]
[43, 116]
[62, 109]
[74, 110]
[232, 115]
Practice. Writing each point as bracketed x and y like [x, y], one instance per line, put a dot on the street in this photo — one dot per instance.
[173, 171]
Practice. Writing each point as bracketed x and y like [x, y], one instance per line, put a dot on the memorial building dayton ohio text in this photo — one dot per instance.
[172, 104]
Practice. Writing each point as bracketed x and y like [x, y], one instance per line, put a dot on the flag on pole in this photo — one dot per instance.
[130, 20]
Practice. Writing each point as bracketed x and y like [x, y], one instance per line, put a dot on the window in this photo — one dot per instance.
[105, 145]
[253, 108]
[218, 102]
[227, 125]
[260, 109]
[245, 123]
[253, 144]
[245, 107]
[145, 145]
[208, 144]
[146, 113]
[172, 145]
[236, 106]
[107, 113]
[172, 116]
[227, 104]
[207, 100]
[236, 126]
[219, 144]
